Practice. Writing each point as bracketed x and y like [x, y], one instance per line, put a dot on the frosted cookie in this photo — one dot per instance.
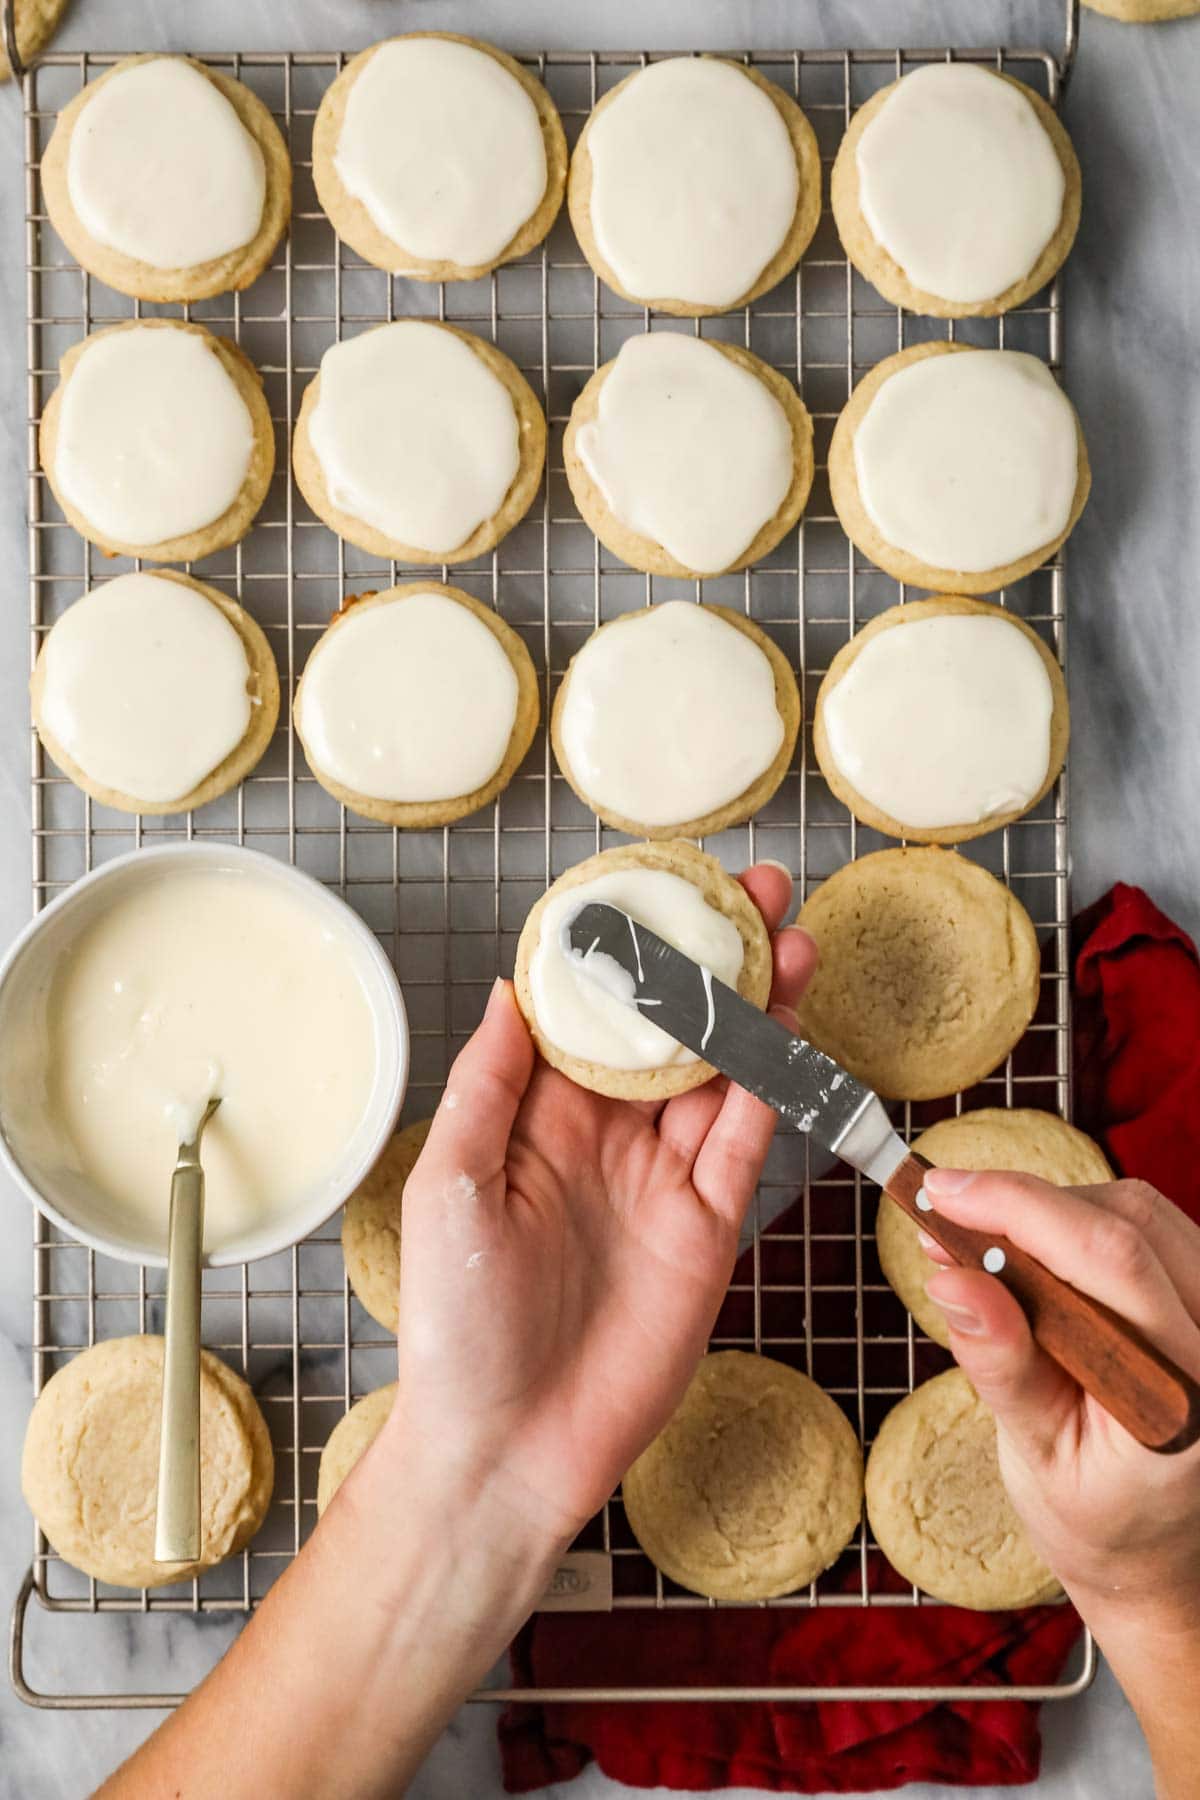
[416, 705]
[89, 1471]
[956, 191]
[938, 1508]
[928, 973]
[1139, 12]
[158, 440]
[597, 1038]
[371, 1226]
[688, 457]
[695, 185]
[978, 702]
[350, 1439]
[36, 21]
[438, 157]
[155, 693]
[419, 443]
[958, 469]
[754, 1486]
[1021, 1139]
[676, 720]
[168, 180]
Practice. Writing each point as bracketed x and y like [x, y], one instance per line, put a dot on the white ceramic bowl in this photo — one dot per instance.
[25, 975]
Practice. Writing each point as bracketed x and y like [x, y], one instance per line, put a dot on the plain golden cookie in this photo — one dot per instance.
[721, 891]
[744, 805]
[1145, 12]
[262, 685]
[754, 1486]
[861, 529]
[353, 1434]
[236, 520]
[36, 22]
[800, 233]
[90, 1467]
[1024, 1140]
[908, 614]
[371, 1226]
[419, 815]
[354, 224]
[938, 1508]
[645, 553]
[881, 269]
[237, 268]
[531, 439]
[928, 975]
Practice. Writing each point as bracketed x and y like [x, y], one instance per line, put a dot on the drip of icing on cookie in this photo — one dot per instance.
[414, 434]
[597, 1022]
[444, 148]
[970, 461]
[161, 169]
[669, 714]
[694, 182]
[154, 440]
[144, 686]
[959, 181]
[688, 448]
[971, 702]
[412, 700]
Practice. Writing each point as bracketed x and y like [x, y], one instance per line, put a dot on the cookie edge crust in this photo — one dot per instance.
[909, 613]
[419, 815]
[886, 275]
[799, 235]
[35, 27]
[522, 491]
[358, 1233]
[743, 806]
[327, 1487]
[354, 224]
[861, 529]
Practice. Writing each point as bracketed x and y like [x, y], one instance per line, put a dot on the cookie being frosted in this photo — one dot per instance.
[1021, 1139]
[594, 1036]
[36, 22]
[929, 971]
[168, 180]
[956, 191]
[350, 1439]
[978, 701]
[1145, 12]
[753, 1487]
[938, 1508]
[371, 1226]
[695, 185]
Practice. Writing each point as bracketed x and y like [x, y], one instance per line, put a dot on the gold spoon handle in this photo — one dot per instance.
[177, 1525]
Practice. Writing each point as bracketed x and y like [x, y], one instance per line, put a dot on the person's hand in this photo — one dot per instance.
[564, 1257]
[1118, 1524]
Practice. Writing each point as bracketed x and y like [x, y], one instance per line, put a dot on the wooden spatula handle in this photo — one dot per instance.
[1156, 1402]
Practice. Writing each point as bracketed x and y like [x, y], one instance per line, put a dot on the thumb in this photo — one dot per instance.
[484, 1089]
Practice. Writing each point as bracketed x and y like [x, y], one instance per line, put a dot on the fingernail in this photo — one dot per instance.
[949, 1181]
[928, 1244]
[769, 862]
[959, 1318]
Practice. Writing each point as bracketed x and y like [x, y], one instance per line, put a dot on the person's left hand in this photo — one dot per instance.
[565, 1255]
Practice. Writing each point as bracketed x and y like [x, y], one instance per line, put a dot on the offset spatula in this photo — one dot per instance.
[1155, 1401]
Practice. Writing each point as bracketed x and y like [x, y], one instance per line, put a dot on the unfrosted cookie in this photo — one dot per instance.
[350, 1438]
[36, 22]
[938, 1508]
[685, 757]
[978, 701]
[695, 185]
[155, 693]
[1021, 1139]
[371, 1226]
[168, 180]
[753, 1487]
[958, 468]
[928, 974]
[158, 440]
[439, 157]
[683, 896]
[419, 442]
[417, 705]
[1145, 12]
[89, 1471]
[688, 457]
[973, 187]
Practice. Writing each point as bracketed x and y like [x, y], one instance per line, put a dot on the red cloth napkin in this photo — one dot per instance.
[1137, 983]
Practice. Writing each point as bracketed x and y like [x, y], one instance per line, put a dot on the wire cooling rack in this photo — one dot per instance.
[448, 904]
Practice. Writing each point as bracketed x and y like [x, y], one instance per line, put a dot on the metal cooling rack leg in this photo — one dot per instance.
[67, 1702]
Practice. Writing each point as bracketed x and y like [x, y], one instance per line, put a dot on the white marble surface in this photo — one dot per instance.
[1133, 367]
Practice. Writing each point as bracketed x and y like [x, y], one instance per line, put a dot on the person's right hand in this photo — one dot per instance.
[1118, 1524]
